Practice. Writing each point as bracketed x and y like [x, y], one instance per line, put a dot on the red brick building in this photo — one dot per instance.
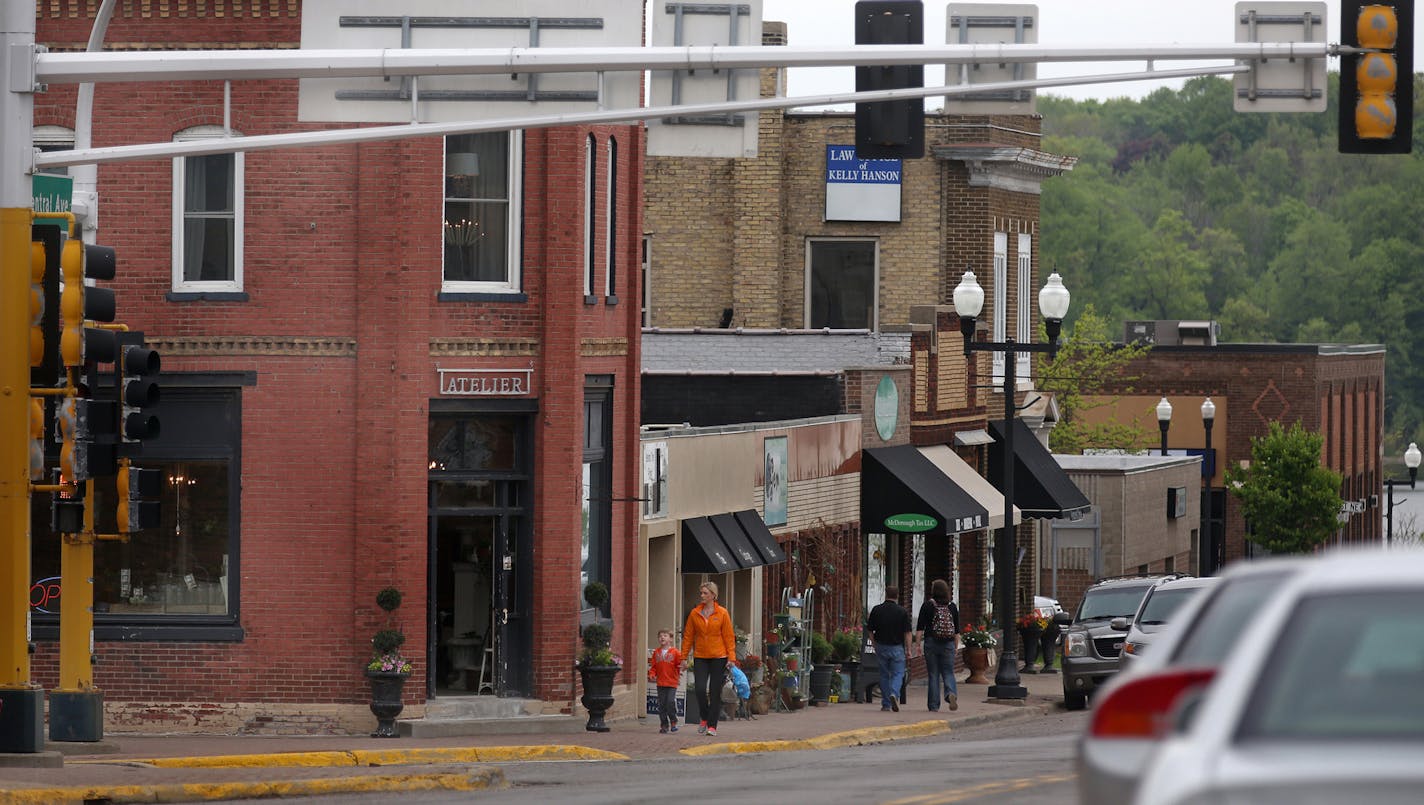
[368, 381]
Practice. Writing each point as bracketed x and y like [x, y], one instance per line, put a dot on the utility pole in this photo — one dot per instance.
[21, 701]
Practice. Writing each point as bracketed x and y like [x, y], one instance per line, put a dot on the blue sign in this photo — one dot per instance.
[861, 189]
[843, 168]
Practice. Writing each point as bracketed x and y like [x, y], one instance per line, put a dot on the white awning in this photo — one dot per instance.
[965, 477]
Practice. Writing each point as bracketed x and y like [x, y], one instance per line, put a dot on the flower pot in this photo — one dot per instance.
[1048, 647]
[851, 670]
[773, 649]
[1029, 638]
[760, 703]
[386, 687]
[977, 661]
[821, 682]
[597, 693]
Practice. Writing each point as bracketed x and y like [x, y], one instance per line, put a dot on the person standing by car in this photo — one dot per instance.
[890, 629]
[708, 642]
[937, 629]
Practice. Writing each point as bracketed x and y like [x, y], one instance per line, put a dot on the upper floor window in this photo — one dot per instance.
[840, 284]
[610, 228]
[207, 217]
[590, 210]
[481, 232]
[54, 138]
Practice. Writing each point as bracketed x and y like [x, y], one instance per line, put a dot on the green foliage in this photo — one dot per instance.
[388, 599]
[1289, 500]
[386, 641]
[596, 594]
[1084, 365]
[820, 648]
[846, 644]
[1181, 208]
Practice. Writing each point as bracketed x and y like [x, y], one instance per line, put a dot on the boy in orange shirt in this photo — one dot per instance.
[665, 670]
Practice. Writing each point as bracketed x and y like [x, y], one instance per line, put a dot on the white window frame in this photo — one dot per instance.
[610, 218]
[647, 269]
[235, 285]
[874, 280]
[1025, 312]
[1001, 300]
[514, 221]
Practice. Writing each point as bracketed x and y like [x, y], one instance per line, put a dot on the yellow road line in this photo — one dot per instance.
[982, 790]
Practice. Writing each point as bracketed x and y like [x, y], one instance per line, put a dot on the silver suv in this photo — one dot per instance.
[1091, 646]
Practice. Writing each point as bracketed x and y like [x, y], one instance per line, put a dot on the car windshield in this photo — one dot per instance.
[1212, 633]
[1111, 602]
[1367, 683]
[1160, 604]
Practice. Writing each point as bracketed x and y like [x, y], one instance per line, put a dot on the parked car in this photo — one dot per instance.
[1091, 646]
[1322, 699]
[1153, 614]
[1046, 607]
[1111, 754]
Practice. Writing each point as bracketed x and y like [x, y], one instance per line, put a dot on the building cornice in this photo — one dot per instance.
[1014, 168]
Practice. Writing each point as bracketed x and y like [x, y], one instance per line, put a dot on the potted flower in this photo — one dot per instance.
[977, 642]
[1031, 628]
[751, 666]
[773, 644]
[597, 664]
[846, 647]
[388, 669]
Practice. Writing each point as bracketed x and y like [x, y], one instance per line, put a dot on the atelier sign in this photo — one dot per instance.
[484, 382]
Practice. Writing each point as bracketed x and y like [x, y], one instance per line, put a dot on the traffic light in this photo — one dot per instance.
[889, 129]
[1377, 89]
[66, 513]
[37, 432]
[44, 305]
[84, 430]
[137, 368]
[78, 303]
[139, 493]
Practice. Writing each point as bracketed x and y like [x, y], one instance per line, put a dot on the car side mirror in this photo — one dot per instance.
[1118, 624]
[1062, 618]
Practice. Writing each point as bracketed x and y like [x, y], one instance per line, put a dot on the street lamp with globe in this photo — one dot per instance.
[1411, 460]
[1053, 306]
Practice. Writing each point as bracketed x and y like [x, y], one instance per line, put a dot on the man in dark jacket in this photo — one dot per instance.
[890, 629]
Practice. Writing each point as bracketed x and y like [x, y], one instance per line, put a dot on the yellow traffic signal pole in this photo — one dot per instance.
[21, 701]
[76, 707]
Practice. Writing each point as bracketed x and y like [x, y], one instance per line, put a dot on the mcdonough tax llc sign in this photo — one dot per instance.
[861, 189]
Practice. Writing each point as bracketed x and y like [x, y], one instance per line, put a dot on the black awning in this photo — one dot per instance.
[901, 490]
[732, 534]
[761, 536]
[703, 551]
[1041, 487]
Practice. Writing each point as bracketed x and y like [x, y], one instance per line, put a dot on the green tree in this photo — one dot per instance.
[1288, 498]
[1085, 364]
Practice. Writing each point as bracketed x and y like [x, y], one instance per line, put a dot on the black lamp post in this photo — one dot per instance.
[1164, 421]
[1208, 560]
[1053, 305]
[1411, 460]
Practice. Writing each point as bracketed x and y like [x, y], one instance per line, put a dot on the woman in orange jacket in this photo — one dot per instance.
[708, 640]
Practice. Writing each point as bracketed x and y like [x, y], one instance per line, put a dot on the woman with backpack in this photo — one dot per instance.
[937, 628]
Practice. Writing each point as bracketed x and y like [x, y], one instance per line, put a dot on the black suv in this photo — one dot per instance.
[1090, 645]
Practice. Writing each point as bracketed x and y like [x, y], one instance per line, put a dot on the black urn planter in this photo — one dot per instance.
[386, 687]
[1048, 647]
[597, 693]
[851, 668]
[1029, 638]
[821, 682]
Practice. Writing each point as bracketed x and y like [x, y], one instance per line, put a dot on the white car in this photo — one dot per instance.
[1153, 614]
[1113, 753]
[1320, 699]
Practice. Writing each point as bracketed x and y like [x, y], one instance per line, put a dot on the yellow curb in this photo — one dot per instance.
[835, 740]
[468, 780]
[374, 757]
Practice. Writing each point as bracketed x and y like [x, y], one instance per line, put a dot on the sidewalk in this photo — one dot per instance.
[147, 768]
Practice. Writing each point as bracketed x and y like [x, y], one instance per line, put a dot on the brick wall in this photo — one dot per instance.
[343, 247]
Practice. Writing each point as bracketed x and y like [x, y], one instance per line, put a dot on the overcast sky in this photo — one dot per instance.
[1062, 23]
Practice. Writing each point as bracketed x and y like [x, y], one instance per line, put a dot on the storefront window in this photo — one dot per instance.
[185, 566]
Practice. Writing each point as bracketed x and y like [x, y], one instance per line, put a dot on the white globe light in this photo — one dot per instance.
[968, 297]
[1053, 298]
